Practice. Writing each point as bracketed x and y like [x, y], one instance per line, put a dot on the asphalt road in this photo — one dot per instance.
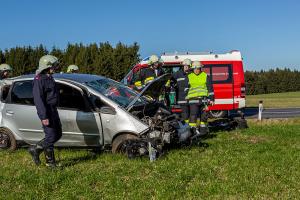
[273, 113]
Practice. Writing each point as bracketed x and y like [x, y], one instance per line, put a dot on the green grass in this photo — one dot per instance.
[275, 100]
[261, 162]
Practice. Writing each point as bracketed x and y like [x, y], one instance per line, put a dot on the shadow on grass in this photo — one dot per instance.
[69, 162]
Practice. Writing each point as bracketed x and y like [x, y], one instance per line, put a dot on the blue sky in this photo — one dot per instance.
[266, 32]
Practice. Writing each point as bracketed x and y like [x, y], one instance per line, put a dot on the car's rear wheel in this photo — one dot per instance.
[218, 113]
[129, 145]
[7, 140]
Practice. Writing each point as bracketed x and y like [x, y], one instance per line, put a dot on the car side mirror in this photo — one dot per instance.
[108, 110]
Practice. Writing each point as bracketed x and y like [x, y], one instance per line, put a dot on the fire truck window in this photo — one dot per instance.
[135, 76]
[167, 69]
[171, 69]
[175, 69]
[221, 74]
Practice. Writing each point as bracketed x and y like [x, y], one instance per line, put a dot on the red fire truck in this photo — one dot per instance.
[225, 71]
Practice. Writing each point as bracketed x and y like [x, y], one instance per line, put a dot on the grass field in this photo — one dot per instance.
[275, 100]
[261, 162]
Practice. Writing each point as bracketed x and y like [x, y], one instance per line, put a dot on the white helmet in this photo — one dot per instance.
[197, 65]
[72, 68]
[5, 67]
[46, 62]
[187, 62]
[153, 59]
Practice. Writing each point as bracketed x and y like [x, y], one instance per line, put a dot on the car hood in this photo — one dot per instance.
[153, 89]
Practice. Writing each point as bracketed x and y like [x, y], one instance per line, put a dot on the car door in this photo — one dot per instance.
[81, 126]
[19, 112]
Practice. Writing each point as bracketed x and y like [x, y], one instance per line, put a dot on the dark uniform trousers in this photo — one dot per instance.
[53, 131]
[196, 110]
[180, 79]
[45, 94]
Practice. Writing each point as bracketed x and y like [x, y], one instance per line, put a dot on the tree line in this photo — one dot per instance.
[115, 62]
[272, 81]
[102, 59]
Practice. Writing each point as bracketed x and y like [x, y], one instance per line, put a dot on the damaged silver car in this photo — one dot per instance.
[95, 112]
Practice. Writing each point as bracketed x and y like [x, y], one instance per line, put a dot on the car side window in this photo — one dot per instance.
[22, 93]
[96, 102]
[70, 98]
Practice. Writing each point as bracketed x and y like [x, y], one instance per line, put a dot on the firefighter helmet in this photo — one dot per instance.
[46, 62]
[153, 59]
[72, 68]
[197, 65]
[187, 62]
[5, 67]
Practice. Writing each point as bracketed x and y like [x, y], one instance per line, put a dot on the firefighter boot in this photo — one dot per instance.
[35, 152]
[203, 128]
[50, 158]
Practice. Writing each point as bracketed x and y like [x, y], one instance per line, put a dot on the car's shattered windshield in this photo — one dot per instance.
[115, 91]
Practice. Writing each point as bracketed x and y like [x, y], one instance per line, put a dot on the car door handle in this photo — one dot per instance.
[9, 112]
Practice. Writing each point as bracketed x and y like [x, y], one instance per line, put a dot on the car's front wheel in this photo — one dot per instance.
[7, 140]
[129, 145]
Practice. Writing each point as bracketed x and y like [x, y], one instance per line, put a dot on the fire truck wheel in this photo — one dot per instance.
[218, 113]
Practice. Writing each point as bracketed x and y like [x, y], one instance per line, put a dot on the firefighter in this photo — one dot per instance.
[149, 74]
[5, 70]
[181, 82]
[45, 94]
[73, 69]
[200, 91]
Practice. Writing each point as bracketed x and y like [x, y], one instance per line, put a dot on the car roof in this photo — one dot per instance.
[81, 78]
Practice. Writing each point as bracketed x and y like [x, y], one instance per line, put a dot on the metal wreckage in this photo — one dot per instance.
[165, 128]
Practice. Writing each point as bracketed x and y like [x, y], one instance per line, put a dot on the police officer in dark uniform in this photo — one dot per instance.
[181, 82]
[5, 70]
[45, 94]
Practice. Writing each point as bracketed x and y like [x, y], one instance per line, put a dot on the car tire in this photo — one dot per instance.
[7, 140]
[218, 113]
[119, 141]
